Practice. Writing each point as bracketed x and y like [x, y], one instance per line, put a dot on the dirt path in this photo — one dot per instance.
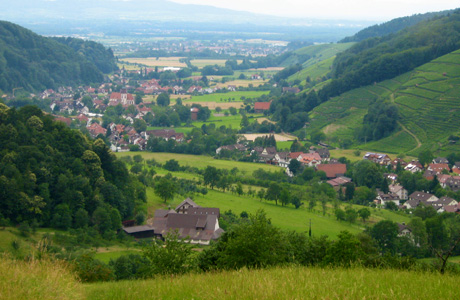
[419, 144]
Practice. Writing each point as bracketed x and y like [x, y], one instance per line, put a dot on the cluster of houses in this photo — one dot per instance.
[438, 168]
[193, 223]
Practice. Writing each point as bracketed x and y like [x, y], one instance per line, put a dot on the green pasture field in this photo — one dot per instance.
[229, 121]
[202, 161]
[216, 97]
[200, 63]
[183, 130]
[285, 283]
[284, 145]
[287, 218]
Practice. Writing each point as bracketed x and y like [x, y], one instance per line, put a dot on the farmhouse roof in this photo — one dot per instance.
[187, 201]
[333, 170]
[421, 196]
[262, 105]
[135, 229]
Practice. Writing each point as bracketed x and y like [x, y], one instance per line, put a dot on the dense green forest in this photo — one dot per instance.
[376, 59]
[392, 26]
[35, 63]
[51, 175]
[94, 52]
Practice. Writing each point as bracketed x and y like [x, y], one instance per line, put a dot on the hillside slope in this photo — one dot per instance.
[319, 62]
[34, 62]
[428, 103]
[377, 59]
[392, 26]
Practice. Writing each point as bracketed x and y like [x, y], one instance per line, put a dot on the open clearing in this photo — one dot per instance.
[279, 137]
[241, 83]
[154, 62]
[200, 63]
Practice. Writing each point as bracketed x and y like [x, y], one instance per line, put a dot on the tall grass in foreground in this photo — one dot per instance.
[37, 279]
[286, 283]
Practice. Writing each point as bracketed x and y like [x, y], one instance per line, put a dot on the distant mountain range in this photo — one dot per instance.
[43, 15]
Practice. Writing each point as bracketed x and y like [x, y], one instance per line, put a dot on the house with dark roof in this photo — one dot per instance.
[440, 160]
[398, 190]
[378, 158]
[383, 198]
[139, 232]
[339, 181]
[417, 198]
[404, 230]
[324, 154]
[198, 225]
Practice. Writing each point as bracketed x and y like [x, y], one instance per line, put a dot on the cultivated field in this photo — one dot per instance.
[428, 103]
[154, 62]
[278, 137]
[200, 63]
[241, 83]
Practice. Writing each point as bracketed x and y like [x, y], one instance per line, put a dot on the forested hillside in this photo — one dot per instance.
[377, 59]
[392, 26]
[427, 104]
[55, 176]
[34, 62]
[94, 52]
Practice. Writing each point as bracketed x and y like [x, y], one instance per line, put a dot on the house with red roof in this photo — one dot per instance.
[260, 107]
[122, 98]
[95, 129]
[332, 170]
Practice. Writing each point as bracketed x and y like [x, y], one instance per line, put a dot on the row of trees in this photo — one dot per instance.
[252, 242]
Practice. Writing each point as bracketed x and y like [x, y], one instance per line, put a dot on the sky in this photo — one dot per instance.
[378, 10]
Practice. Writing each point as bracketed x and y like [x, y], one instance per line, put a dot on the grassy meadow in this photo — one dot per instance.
[50, 279]
[285, 283]
[287, 218]
[202, 161]
[223, 97]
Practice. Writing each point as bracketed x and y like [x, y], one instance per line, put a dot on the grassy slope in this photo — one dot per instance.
[201, 161]
[427, 99]
[286, 283]
[287, 218]
[47, 279]
[321, 59]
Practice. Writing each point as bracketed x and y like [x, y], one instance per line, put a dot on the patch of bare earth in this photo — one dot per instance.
[332, 128]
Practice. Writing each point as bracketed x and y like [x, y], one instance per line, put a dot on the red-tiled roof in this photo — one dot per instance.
[332, 170]
[262, 105]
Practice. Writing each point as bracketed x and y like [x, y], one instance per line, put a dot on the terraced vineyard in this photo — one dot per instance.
[428, 99]
[320, 62]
